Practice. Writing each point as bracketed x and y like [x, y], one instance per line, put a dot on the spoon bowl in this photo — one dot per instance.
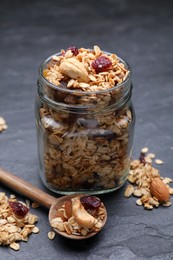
[29, 190]
[58, 204]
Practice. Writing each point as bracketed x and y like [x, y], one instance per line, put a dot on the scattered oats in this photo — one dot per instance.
[131, 179]
[158, 161]
[167, 204]
[3, 125]
[15, 246]
[148, 159]
[140, 175]
[148, 206]
[128, 191]
[144, 150]
[51, 235]
[137, 193]
[12, 196]
[139, 202]
[167, 180]
[28, 203]
[35, 230]
[170, 191]
[13, 229]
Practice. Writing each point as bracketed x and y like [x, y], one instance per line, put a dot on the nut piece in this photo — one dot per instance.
[159, 190]
[74, 69]
[82, 217]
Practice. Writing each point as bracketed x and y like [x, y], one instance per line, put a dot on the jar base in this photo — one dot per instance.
[83, 191]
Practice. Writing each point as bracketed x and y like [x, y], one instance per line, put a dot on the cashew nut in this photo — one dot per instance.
[74, 69]
[82, 217]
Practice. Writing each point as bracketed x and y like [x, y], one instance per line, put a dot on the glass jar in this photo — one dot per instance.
[84, 138]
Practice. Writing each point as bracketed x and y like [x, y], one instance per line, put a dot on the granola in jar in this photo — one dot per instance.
[85, 121]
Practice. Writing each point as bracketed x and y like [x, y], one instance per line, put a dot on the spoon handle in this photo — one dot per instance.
[26, 188]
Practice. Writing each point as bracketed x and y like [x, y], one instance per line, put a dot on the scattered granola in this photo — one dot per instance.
[16, 222]
[35, 205]
[158, 161]
[51, 235]
[3, 124]
[89, 150]
[147, 184]
[79, 216]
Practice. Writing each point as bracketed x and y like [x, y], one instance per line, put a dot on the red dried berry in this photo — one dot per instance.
[142, 158]
[101, 64]
[90, 202]
[18, 209]
[74, 50]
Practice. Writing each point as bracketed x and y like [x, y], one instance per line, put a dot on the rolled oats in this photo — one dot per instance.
[129, 191]
[12, 228]
[158, 161]
[15, 246]
[144, 150]
[51, 235]
[3, 124]
[140, 175]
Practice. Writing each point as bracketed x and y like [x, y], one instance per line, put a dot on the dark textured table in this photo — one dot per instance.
[141, 32]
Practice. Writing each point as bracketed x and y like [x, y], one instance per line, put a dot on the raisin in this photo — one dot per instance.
[93, 212]
[101, 64]
[74, 50]
[18, 209]
[90, 202]
[142, 158]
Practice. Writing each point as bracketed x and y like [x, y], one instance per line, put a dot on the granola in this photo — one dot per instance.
[79, 221]
[3, 124]
[88, 144]
[140, 176]
[13, 228]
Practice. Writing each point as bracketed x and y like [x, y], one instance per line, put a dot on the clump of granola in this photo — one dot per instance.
[3, 124]
[85, 69]
[141, 176]
[16, 222]
[79, 216]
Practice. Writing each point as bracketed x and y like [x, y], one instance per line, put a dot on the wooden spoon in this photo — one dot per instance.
[35, 194]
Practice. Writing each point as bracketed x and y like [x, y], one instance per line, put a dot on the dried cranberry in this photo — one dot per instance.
[90, 202]
[101, 64]
[18, 209]
[142, 158]
[74, 50]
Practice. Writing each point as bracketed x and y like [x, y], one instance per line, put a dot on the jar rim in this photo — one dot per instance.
[80, 92]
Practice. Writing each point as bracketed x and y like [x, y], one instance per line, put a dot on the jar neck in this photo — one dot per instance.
[78, 101]
[83, 102]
